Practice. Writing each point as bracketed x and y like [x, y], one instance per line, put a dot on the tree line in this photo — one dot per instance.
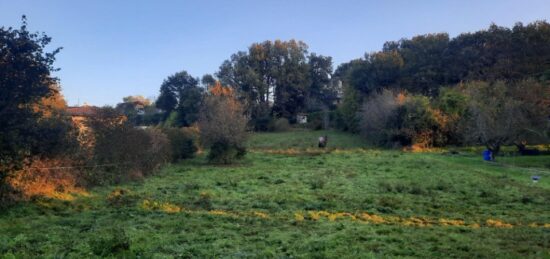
[489, 87]
[433, 77]
[272, 79]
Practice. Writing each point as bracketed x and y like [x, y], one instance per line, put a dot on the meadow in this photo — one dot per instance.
[289, 199]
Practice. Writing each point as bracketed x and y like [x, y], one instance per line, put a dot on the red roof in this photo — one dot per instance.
[81, 110]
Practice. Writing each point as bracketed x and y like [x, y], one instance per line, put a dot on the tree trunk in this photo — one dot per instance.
[326, 118]
[494, 148]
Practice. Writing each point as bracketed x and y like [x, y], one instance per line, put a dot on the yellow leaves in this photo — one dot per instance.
[372, 218]
[315, 216]
[48, 105]
[497, 223]
[160, 206]
[219, 212]
[451, 222]
[219, 90]
[418, 222]
[56, 184]
[260, 215]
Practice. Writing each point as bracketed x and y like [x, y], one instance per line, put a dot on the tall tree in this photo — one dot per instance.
[208, 80]
[322, 92]
[25, 80]
[182, 94]
[271, 78]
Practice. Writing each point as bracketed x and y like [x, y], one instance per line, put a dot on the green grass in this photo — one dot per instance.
[389, 184]
[301, 139]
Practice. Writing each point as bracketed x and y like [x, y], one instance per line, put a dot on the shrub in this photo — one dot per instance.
[224, 152]
[281, 125]
[159, 151]
[450, 108]
[223, 126]
[398, 119]
[375, 117]
[348, 110]
[413, 123]
[315, 121]
[122, 152]
[183, 142]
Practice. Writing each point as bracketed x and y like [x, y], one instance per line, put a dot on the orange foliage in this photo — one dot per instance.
[48, 105]
[401, 98]
[219, 90]
[59, 182]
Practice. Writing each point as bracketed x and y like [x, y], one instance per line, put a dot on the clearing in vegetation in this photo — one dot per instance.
[287, 198]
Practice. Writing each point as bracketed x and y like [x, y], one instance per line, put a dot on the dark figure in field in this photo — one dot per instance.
[323, 141]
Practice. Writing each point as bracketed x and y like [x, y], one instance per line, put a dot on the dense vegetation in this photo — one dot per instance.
[96, 183]
[446, 88]
[27, 127]
[298, 203]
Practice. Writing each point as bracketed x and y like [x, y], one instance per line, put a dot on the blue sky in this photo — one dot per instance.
[116, 48]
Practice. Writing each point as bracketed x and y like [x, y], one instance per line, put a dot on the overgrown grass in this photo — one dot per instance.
[301, 139]
[301, 205]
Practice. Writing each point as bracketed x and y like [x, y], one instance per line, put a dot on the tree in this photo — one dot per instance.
[181, 93]
[223, 125]
[321, 93]
[450, 107]
[495, 116]
[425, 63]
[208, 80]
[271, 78]
[376, 71]
[290, 79]
[25, 79]
[139, 110]
[375, 116]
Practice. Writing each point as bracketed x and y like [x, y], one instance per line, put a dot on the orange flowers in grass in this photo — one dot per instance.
[498, 224]
[334, 216]
[161, 206]
[372, 218]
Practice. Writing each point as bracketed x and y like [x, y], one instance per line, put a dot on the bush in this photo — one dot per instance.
[263, 123]
[315, 121]
[413, 123]
[183, 142]
[223, 126]
[397, 119]
[225, 153]
[451, 107]
[348, 111]
[375, 117]
[159, 151]
[281, 125]
[122, 152]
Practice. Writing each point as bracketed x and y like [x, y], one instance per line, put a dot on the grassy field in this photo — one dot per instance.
[285, 200]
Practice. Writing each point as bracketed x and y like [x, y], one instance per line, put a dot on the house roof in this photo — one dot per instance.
[82, 111]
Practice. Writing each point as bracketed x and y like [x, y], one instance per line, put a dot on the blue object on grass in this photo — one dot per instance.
[535, 178]
[487, 155]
